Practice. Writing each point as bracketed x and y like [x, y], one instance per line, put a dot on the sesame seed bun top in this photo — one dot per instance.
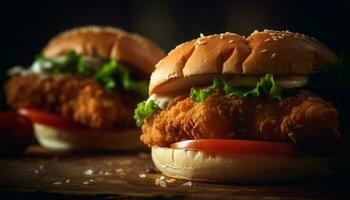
[106, 43]
[276, 52]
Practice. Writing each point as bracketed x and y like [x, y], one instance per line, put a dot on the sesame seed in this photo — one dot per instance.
[268, 39]
[107, 173]
[201, 35]
[221, 36]
[264, 50]
[231, 41]
[162, 178]
[273, 55]
[36, 171]
[68, 181]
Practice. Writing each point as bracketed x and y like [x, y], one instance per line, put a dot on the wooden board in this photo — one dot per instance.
[42, 174]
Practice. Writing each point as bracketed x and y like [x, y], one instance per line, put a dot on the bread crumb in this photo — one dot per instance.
[172, 180]
[142, 175]
[119, 170]
[86, 182]
[107, 173]
[189, 184]
[88, 172]
[57, 183]
[160, 181]
[273, 55]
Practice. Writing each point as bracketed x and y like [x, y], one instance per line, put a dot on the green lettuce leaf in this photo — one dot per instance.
[71, 63]
[265, 86]
[200, 95]
[144, 110]
[112, 74]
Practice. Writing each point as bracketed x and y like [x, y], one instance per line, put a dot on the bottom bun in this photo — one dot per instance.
[59, 139]
[214, 167]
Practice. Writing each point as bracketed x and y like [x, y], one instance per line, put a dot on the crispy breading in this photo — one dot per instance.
[82, 99]
[299, 119]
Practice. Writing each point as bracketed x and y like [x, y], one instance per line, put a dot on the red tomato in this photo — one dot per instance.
[49, 119]
[16, 132]
[237, 146]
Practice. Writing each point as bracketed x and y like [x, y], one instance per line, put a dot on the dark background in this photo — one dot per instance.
[27, 26]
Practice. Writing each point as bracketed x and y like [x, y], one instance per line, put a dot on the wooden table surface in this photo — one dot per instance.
[45, 175]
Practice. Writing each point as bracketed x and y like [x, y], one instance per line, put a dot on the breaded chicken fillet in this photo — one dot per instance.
[82, 99]
[303, 118]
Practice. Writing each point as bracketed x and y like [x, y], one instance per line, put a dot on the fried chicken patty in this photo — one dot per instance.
[300, 119]
[82, 99]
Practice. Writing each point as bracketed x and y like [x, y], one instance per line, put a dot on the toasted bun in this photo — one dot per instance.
[275, 52]
[238, 168]
[65, 140]
[107, 42]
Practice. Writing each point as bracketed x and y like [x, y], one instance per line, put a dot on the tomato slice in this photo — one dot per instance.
[237, 146]
[55, 120]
